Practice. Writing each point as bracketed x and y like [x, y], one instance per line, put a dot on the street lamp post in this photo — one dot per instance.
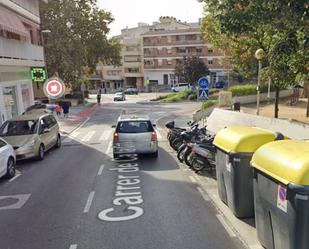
[45, 31]
[259, 54]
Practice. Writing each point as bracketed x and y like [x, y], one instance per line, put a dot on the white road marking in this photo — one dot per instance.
[226, 226]
[105, 135]
[257, 246]
[20, 201]
[89, 202]
[75, 134]
[204, 195]
[109, 148]
[73, 246]
[81, 125]
[88, 136]
[192, 178]
[14, 178]
[101, 170]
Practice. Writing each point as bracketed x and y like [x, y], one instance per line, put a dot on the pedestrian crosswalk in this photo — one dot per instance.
[105, 135]
[88, 136]
[94, 136]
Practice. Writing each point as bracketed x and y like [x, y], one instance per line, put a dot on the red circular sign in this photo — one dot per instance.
[54, 88]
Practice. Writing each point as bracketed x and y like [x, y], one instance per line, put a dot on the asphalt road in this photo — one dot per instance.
[79, 198]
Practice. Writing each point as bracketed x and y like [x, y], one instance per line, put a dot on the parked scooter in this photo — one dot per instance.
[203, 157]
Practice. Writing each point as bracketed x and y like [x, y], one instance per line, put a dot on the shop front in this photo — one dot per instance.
[15, 98]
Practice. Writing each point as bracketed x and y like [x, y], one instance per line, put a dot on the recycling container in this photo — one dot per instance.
[281, 194]
[235, 147]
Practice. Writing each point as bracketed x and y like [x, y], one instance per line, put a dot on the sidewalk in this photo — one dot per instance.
[78, 115]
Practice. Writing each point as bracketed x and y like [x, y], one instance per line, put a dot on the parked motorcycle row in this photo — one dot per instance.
[194, 146]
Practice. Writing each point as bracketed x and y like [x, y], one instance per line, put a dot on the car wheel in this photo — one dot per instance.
[10, 172]
[41, 152]
[155, 154]
[58, 143]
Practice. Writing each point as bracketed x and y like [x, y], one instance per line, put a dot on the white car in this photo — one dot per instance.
[180, 87]
[7, 159]
[135, 135]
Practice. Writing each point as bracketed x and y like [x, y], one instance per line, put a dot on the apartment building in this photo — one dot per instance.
[130, 73]
[20, 50]
[163, 48]
[151, 52]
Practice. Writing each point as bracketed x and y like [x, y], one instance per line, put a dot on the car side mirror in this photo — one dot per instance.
[113, 126]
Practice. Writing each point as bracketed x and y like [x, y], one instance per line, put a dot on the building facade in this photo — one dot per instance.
[150, 54]
[20, 50]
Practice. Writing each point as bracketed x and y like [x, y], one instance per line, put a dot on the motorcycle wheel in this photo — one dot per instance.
[198, 164]
[187, 157]
[176, 143]
[180, 153]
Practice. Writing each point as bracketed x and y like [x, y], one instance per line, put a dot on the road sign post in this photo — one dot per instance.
[203, 92]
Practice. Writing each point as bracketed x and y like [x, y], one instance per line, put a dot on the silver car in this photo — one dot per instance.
[135, 135]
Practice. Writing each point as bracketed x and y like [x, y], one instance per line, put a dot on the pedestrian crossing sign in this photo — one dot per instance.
[203, 94]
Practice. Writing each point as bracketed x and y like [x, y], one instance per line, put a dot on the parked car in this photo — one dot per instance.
[119, 96]
[7, 159]
[37, 108]
[220, 84]
[135, 135]
[131, 91]
[31, 135]
[180, 87]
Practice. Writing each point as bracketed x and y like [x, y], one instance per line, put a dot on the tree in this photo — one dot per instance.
[78, 37]
[190, 69]
[278, 27]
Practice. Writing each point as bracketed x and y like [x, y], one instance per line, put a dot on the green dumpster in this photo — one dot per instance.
[235, 147]
[281, 194]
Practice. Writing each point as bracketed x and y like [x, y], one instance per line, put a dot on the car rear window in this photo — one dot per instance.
[134, 127]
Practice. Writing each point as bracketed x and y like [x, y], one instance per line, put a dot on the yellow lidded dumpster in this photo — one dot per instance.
[281, 194]
[235, 147]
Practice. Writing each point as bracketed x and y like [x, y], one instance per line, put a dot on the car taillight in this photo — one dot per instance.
[154, 136]
[116, 137]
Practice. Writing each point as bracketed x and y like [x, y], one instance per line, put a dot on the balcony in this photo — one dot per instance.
[20, 53]
[173, 43]
[131, 52]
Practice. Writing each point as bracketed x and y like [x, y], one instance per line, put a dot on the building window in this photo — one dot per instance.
[180, 37]
[199, 50]
[210, 62]
[210, 50]
[160, 62]
[181, 50]
[169, 62]
[132, 70]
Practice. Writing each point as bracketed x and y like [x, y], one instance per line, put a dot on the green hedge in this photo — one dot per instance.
[248, 89]
[210, 103]
[177, 97]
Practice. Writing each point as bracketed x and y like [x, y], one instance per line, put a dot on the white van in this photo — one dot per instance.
[177, 87]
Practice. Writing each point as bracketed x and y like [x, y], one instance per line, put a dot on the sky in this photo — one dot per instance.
[127, 13]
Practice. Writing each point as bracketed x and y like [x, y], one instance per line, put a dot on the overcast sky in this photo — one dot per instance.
[130, 12]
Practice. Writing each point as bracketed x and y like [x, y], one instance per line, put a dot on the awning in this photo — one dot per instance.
[10, 22]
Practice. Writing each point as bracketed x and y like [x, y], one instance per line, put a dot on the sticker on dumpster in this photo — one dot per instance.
[282, 202]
